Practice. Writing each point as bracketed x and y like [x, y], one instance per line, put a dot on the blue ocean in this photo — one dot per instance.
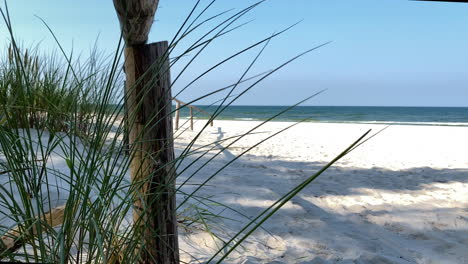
[441, 116]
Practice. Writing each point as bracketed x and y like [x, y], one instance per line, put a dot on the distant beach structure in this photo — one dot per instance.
[180, 104]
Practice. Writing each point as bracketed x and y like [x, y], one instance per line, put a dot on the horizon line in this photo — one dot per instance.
[421, 106]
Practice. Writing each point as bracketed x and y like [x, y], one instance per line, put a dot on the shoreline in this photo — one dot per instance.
[427, 116]
[393, 123]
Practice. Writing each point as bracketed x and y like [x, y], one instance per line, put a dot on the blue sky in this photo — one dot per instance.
[384, 53]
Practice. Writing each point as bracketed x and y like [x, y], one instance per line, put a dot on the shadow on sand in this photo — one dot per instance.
[349, 215]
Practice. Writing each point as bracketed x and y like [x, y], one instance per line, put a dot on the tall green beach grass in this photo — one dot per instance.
[62, 125]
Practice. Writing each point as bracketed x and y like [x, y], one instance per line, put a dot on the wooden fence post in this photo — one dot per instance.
[152, 149]
[177, 115]
[191, 118]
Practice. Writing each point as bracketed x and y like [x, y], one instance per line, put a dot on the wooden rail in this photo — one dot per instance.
[179, 105]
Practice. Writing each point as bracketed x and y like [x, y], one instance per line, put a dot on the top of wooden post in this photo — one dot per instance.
[136, 18]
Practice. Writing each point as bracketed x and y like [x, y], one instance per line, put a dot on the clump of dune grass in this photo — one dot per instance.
[61, 149]
[40, 90]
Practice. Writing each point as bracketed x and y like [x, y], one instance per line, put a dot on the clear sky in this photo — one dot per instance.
[384, 52]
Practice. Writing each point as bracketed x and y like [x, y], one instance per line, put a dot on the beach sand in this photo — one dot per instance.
[401, 197]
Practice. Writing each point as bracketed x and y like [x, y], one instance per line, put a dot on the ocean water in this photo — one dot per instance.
[441, 116]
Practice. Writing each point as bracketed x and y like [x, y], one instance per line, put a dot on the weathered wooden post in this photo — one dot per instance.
[148, 101]
[177, 114]
[191, 117]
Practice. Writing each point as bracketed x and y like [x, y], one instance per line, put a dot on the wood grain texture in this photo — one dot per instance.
[136, 18]
[151, 140]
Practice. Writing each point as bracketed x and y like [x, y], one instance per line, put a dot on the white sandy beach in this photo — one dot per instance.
[401, 197]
